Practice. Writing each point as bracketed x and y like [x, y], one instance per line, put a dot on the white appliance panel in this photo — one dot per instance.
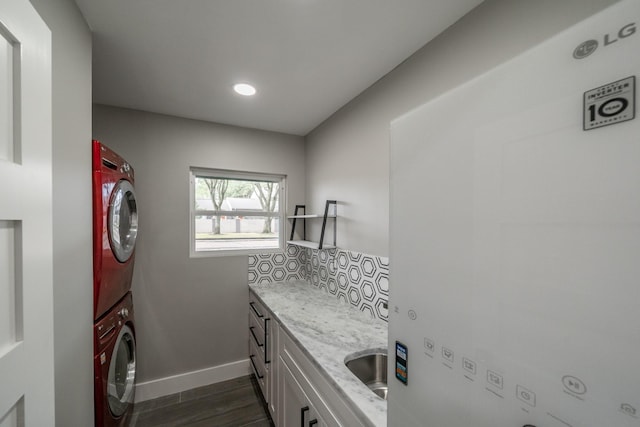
[515, 243]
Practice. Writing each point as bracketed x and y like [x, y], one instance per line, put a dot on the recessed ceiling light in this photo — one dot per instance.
[244, 89]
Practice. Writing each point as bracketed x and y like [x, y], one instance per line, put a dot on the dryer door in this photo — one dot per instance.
[122, 373]
[123, 220]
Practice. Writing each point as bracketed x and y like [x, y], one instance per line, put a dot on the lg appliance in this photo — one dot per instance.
[515, 240]
[115, 227]
[115, 365]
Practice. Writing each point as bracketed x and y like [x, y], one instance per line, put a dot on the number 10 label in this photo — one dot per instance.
[610, 104]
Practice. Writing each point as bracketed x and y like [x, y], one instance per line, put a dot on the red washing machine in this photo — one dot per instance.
[115, 365]
[115, 227]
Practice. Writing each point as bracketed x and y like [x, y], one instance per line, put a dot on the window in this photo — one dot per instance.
[234, 213]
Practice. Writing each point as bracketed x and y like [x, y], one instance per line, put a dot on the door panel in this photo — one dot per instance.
[7, 75]
[9, 328]
[26, 288]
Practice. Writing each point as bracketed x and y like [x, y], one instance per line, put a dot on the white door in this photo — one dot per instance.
[26, 283]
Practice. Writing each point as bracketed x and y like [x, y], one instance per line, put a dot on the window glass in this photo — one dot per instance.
[236, 212]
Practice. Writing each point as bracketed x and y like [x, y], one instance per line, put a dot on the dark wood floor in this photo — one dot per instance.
[233, 403]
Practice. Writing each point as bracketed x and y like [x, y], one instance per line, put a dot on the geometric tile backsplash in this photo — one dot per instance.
[354, 278]
[278, 267]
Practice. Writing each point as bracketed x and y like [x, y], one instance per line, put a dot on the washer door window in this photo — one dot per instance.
[123, 220]
[122, 373]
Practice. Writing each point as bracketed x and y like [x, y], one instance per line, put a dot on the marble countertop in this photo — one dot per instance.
[327, 330]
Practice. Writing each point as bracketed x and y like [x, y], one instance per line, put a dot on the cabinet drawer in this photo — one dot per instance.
[257, 309]
[258, 336]
[259, 319]
[258, 366]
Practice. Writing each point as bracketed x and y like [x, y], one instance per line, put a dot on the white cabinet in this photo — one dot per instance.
[296, 392]
[302, 385]
[297, 409]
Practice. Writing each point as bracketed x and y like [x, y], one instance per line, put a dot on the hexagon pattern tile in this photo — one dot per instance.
[279, 267]
[357, 279]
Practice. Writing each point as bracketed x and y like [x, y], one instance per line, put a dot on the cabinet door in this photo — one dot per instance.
[297, 410]
[294, 401]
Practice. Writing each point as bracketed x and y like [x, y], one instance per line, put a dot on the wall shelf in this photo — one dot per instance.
[304, 216]
[309, 244]
[309, 216]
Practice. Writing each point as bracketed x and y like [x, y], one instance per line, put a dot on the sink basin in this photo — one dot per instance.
[371, 368]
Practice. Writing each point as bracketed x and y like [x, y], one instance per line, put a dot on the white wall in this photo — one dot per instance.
[347, 156]
[190, 314]
[72, 239]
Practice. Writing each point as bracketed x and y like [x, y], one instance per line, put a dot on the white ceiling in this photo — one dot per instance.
[307, 58]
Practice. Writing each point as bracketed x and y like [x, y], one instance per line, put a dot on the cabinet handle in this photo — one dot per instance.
[254, 336]
[313, 422]
[266, 341]
[302, 411]
[254, 367]
[252, 304]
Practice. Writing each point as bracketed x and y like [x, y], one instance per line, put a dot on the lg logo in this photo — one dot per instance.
[586, 48]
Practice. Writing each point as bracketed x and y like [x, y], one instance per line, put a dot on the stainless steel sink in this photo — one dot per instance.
[371, 368]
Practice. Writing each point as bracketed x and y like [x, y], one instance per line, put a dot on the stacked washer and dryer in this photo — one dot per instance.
[115, 226]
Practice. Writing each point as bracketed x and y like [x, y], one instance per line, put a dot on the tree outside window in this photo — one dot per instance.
[234, 211]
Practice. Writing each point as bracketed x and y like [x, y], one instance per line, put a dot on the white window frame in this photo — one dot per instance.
[238, 175]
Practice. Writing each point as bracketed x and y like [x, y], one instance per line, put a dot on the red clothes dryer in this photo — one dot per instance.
[115, 227]
[115, 365]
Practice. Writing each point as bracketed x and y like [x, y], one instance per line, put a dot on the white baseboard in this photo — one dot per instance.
[178, 383]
